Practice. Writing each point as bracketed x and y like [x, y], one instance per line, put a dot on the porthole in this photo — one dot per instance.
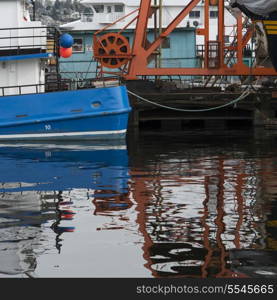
[96, 104]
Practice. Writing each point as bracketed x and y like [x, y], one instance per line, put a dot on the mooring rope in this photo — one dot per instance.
[241, 97]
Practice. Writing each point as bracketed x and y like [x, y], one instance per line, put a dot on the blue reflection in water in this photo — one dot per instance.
[58, 168]
[34, 180]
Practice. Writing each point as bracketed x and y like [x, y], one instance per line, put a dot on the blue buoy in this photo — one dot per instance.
[66, 40]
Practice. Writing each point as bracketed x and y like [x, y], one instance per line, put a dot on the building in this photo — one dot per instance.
[179, 50]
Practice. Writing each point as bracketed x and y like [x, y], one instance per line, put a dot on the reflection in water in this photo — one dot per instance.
[39, 185]
[203, 207]
[181, 205]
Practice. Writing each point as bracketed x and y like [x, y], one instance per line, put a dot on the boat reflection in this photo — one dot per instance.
[38, 183]
[205, 214]
[171, 210]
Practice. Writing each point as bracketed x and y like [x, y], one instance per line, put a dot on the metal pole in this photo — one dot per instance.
[34, 10]
[221, 31]
[207, 32]
[155, 30]
[160, 30]
[239, 41]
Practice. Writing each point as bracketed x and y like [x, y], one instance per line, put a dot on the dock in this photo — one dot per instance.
[259, 108]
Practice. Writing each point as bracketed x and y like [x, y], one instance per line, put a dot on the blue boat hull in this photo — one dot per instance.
[82, 114]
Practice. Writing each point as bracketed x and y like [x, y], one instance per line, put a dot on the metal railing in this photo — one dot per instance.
[55, 85]
[15, 41]
[30, 89]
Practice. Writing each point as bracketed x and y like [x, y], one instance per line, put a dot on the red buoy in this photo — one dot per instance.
[65, 52]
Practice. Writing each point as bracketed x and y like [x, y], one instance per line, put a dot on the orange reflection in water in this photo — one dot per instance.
[224, 221]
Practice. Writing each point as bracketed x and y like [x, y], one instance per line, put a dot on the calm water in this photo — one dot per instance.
[176, 204]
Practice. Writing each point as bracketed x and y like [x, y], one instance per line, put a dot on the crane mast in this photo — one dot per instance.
[115, 56]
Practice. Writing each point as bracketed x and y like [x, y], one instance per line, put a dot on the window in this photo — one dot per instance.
[87, 18]
[99, 8]
[194, 14]
[166, 43]
[227, 39]
[213, 14]
[87, 15]
[78, 45]
[118, 8]
[109, 9]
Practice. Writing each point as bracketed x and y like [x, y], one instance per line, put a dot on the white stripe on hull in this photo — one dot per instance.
[86, 134]
[70, 146]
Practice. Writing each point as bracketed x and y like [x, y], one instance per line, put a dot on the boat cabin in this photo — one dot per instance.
[25, 47]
